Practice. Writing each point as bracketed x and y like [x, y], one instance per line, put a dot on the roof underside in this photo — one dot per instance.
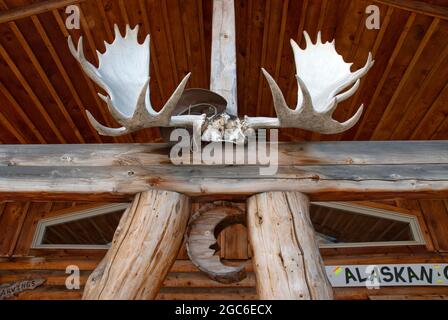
[44, 93]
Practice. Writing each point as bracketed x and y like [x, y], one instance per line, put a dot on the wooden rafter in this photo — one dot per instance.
[223, 65]
[34, 9]
[421, 7]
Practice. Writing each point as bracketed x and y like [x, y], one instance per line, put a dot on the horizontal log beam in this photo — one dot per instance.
[27, 264]
[326, 171]
[33, 9]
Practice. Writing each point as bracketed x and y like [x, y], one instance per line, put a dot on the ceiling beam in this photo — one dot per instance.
[333, 171]
[34, 9]
[223, 65]
[421, 7]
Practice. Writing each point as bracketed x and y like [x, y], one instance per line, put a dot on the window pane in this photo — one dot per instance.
[340, 226]
[97, 230]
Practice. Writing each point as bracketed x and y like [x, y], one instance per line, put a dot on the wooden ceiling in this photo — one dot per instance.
[44, 93]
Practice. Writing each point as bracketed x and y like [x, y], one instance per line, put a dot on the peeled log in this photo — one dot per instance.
[143, 250]
[287, 261]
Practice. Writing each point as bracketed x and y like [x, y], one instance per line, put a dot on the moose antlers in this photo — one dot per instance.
[123, 73]
[324, 80]
[322, 76]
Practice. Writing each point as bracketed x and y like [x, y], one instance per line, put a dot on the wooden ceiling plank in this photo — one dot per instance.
[170, 41]
[441, 105]
[436, 111]
[379, 39]
[31, 93]
[63, 72]
[34, 9]
[107, 26]
[184, 23]
[152, 134]
[253, 65]
[242, 85]
[206, 77]
[11, 128]
[21, 113]
[278, 60]
[89, 83]
[323, 14]
[390, 64]
[298, 39]
[40, 70]
[422, 7]
[261, 82]
[191, 19]
[154, 58]
[380, 132]
[174, 16]
[411, 124]
[366, 41]
[274, 43]
[124, 12]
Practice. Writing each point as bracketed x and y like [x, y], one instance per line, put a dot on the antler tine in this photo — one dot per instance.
[331, 107]
[88, 68]
[350, 123]
[350, 92]
[307, 102]
[328, 92]
[170, 105]
[280, 105]
[116, 114]
[308, 40]
[141, 111]
[357, 75]
[103, 130]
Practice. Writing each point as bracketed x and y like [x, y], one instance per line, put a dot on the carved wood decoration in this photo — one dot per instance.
[203, 230]
[9, 290]
[286, 256]
[144, 248]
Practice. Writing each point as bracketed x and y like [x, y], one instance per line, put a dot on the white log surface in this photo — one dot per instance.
[286, 257]
[332, 171]
[223, 65]
[144, 248]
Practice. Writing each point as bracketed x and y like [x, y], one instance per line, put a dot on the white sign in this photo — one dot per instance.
[388, 275]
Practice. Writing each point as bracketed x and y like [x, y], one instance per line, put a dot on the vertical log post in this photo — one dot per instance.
[223, 64]
[286, 257]
[144, 248]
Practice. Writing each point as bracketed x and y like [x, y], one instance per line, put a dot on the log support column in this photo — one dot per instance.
[143, 250]
[286, 257]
